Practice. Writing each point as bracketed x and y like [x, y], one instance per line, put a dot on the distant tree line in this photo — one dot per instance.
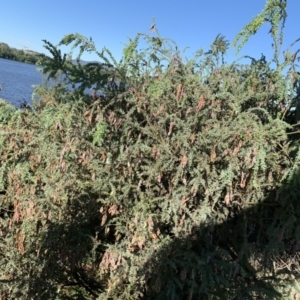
[26, 56]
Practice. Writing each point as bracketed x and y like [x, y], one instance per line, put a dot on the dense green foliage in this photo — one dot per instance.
[26, 56]
[181, 182]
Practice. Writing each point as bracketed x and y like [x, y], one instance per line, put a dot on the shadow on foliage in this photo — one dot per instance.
[66, 254]
[248, 256]
[244, 257]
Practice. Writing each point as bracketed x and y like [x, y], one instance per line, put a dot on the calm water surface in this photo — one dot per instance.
[17, 79]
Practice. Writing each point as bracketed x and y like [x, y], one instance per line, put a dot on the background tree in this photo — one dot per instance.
[19, 55]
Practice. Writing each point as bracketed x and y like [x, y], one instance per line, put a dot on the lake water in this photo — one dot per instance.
[17, 79]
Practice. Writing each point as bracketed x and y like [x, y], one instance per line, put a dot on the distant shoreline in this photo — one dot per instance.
[26, 56]
[23, 62]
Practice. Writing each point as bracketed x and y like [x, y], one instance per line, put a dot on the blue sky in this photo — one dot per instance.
[190, 23]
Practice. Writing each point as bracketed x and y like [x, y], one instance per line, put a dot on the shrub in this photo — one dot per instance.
[180, 183]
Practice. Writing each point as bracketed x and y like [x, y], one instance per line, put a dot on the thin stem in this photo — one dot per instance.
[295, 132]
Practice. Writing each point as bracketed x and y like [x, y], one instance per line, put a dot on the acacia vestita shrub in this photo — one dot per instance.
[179, 183]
